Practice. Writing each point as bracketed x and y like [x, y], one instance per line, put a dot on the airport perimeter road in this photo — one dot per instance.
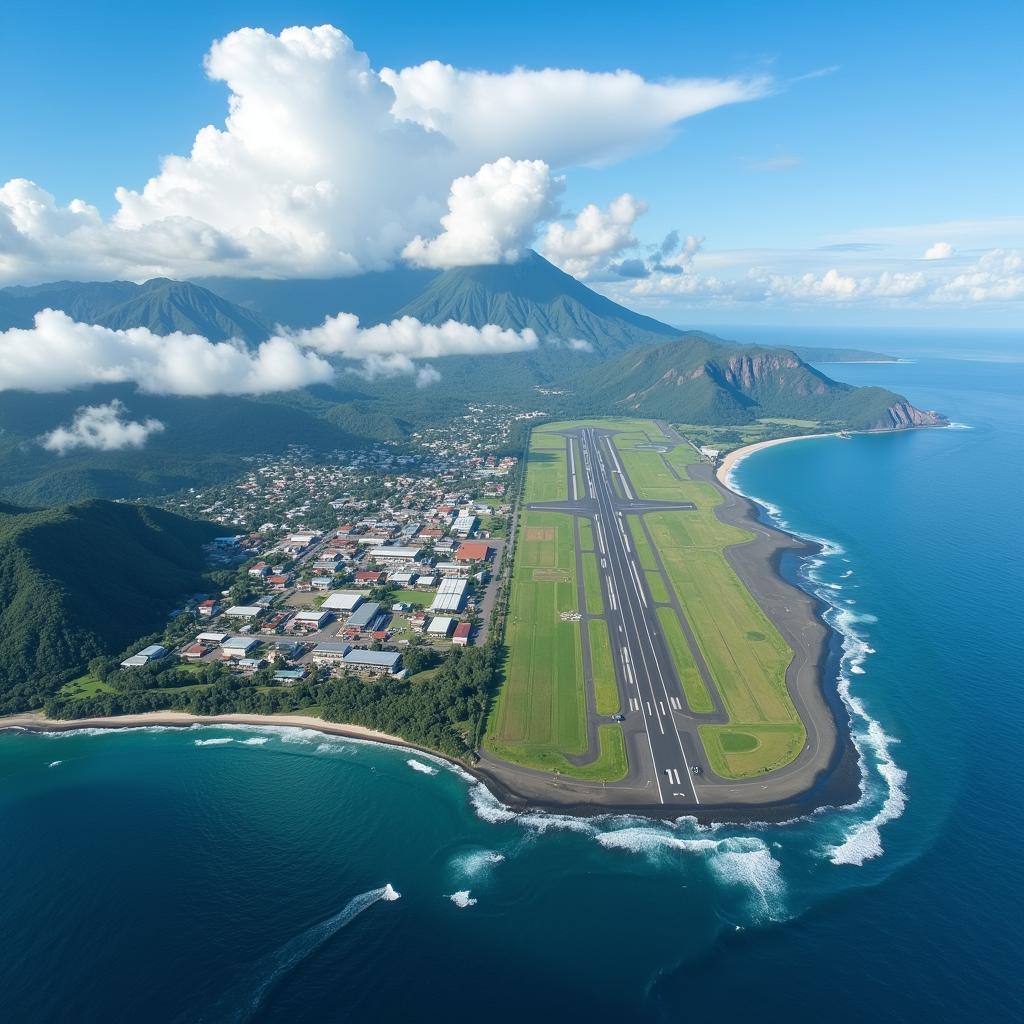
[656, 729]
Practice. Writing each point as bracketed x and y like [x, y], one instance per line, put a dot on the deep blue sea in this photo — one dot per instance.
[229, 875]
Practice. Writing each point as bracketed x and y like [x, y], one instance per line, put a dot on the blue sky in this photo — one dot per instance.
[884, 131]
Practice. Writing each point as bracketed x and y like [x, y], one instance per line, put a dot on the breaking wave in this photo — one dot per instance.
[883, 786]
[743, 861]
[216, 741]
[256, 741]
[419, 766]
[479, 862]
[462, 899]
[243, 1001]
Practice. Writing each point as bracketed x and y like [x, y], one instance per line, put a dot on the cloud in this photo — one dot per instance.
[341, 335]
[594, 237]
[58, 353]
[580, 345]
[565, 117]
[492, 215]
[998, 276]
[325, 165]
[102, 427]
[938, 251]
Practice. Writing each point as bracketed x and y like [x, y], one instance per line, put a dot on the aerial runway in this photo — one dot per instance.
[660, 733]
[668, 773]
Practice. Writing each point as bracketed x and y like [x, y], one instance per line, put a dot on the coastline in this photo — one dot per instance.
[30, 721]
[826, 774]
[737, 455]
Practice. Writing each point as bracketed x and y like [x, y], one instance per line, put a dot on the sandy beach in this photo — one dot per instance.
[32, 722]
[737, 456]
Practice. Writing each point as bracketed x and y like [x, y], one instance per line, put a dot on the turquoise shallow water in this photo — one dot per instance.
[227, 874]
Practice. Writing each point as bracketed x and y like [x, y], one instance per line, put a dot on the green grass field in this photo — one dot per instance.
[606, 692]
[592, 584]
[539, 716]
[745, 654]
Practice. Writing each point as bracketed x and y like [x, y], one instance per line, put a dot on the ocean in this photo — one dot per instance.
[228, 874]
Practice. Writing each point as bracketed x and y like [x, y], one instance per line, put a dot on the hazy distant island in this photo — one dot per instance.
[499, 575]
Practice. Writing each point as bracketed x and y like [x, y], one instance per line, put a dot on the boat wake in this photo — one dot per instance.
[243, 1001]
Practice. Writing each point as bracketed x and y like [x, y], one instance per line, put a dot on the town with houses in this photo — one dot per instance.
[341, 563]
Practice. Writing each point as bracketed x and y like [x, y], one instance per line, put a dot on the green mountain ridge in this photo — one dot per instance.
[161, 305]
[592, 353]
[83, 580]
[695, 380]
[536, 294]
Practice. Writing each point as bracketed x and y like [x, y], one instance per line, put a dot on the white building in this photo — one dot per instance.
[441, 625]
[343, 601]
[244, 611]
[312, 618]
[397, 555]
[464, 525]
[450, 596]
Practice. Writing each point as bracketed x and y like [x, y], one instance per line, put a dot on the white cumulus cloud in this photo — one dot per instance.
[594, 237]
[103, 427]
[58, 353]
[325, 165]
[492, 215]
[938, 251]
[567, 117]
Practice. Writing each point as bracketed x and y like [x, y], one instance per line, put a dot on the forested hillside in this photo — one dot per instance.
[84, 580]
[697, 380]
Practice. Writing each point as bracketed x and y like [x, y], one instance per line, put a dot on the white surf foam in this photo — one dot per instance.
[216, 741]
[256, 741]
[883, 781]
[743, 861]
[477, 863]
[419, 766]
[113, 731]
[462, 899]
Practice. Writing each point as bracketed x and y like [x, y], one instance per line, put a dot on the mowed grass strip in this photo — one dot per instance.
[539, 715]
[644, 553]
[592, 584]
[547, 470]
[657, 588]
[586, 534]
[606, 690]
[611, 764]
[742, 752]
[697, 696]
[747, 657]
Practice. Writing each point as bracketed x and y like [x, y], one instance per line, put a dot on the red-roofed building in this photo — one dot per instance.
[473, 551]
[209, 607]
[461, 636]
[369, 577]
